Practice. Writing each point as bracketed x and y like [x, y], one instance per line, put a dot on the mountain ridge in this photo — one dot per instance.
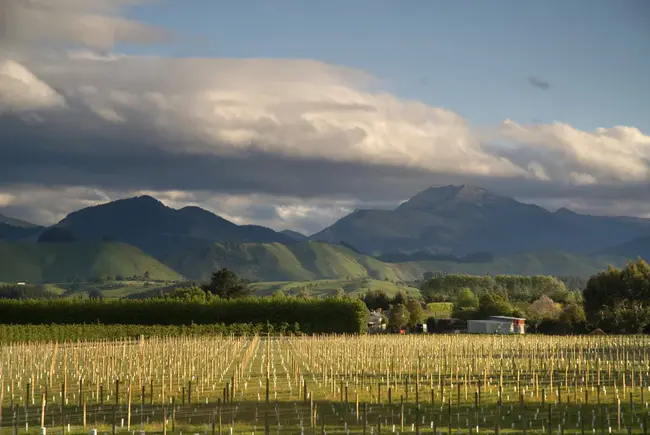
[460, 220]
[157, 229]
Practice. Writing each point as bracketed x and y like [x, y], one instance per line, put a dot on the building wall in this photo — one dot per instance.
[492, 327]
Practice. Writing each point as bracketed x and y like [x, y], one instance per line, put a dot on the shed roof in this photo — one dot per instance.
[506, 318]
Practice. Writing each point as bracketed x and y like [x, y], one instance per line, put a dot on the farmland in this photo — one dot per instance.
[298, 384]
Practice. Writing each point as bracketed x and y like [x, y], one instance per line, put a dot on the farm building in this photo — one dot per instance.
[497, 325]
[375, 322]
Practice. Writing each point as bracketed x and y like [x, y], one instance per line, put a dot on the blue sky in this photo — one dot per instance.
[474, 57]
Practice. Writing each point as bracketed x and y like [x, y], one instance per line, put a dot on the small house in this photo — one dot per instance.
[497, 325]
[376, 322]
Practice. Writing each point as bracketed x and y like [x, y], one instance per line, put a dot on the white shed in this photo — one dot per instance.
[497, 325]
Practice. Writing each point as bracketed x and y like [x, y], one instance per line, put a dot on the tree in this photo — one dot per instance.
[399, 298]
[193, 293]
[399, 316]
[376, 299]
[339, 293]
[467, 299]
[494, 304]
[226, 284]
[414, 308]
[618, 300]
[572, 318]
[543, 309]
[95, 294]
[466, 305]
[147, 276]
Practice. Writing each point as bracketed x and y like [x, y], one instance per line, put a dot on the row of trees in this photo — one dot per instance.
[441, 287]
[544, 312]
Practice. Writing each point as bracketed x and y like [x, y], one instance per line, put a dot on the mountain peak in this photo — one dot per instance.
[565, 212]
[435, 195]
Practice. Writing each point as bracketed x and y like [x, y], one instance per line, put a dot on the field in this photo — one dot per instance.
[328, 384]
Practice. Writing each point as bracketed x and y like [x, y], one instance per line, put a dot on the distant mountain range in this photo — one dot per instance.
[461, 220]
[451, 229]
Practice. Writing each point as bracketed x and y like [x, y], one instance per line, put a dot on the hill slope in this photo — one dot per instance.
[160, 230]
[462, 220]
[638, 247]
[15, 229]
[276, 262]
[58, 262]
[308, 261]
[15, 222]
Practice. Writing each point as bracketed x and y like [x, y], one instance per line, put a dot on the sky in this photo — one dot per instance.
[291, 114]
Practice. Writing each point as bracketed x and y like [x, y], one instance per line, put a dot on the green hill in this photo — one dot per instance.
[303, 261]
[309, 261]
[533, 263]
[60, 262]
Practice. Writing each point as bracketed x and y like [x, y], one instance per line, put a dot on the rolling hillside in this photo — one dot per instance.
[276, 262]
[307, 261]
[60, 262]
[534, 263]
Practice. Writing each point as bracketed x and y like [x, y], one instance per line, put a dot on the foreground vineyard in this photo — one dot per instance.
[329, 384]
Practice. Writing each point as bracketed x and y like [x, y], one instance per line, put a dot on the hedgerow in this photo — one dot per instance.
[336, 315]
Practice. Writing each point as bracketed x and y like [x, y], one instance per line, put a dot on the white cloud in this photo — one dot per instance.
[91, 23]
[21, 91]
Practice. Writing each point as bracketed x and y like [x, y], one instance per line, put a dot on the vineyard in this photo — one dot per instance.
[327, 384]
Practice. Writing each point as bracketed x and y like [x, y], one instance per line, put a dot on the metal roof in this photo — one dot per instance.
[506, 318]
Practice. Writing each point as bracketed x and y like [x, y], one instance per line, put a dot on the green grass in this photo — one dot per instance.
[62, 262]
[309, 261]
[533, 263]
[276, 262]
[328, 287]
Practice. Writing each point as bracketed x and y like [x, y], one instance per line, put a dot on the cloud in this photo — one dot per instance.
[293, 143]
[539, 83]
[90, 23]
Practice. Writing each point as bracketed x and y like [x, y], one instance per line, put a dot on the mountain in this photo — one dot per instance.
[15, 229]
[60, 262]
[461, 220]
[294, 235]
[632, 249]
[15, 222]
[306, 261]
[159, 230]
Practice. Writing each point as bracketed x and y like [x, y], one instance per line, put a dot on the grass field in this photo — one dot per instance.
[329, 384]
